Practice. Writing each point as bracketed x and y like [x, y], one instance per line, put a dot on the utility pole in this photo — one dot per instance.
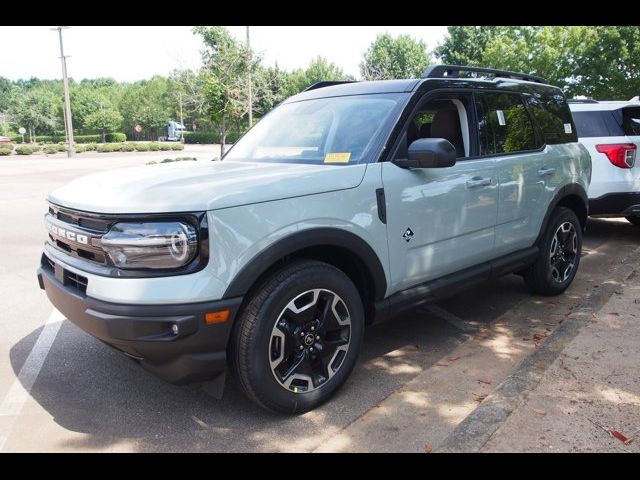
[68, 124]
[181, 120]
[250, 91]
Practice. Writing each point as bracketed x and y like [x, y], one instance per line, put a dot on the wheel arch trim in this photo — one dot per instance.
[314, 237]
[571, 189]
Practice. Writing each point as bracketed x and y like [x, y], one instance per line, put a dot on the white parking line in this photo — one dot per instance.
[18, 394]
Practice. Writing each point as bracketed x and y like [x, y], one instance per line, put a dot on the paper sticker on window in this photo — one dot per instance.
[501, 120]
[337, 157]
[567, 128]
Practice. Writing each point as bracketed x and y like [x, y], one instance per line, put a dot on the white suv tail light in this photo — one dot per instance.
[622, 155]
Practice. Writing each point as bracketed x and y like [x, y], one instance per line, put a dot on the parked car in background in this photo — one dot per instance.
[5, 139]
[611, 132]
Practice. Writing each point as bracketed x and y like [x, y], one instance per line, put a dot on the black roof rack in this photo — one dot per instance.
[440, 71]
[326, 84]
[582, 100]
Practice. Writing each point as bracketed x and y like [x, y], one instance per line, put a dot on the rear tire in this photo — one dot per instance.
[298, 337]
[559, 257]
[634, 220]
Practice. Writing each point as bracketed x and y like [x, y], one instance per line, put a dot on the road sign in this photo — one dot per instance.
[22, 131]
[138, 128]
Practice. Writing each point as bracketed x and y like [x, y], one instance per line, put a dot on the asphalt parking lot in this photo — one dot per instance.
[76, 394]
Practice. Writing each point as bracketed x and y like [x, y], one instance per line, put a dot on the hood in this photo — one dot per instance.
[197, 186]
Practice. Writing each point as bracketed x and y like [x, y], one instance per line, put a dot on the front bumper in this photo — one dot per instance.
[145, 332]
[623, 203]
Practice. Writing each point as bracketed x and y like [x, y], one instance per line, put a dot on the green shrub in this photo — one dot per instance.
[109, 147]
[177, 146]
[10, 146]
[5, 150]
[110, 138]
[90, 147]
[179, 159]
[88, 138]
[154, 147]
[165, 147]
[143, 147]
[232, 137]
[115, 137]
[210, 137]
[25, 150]
[127, 147]
[80, 148]
[51, 149]
[201, 137]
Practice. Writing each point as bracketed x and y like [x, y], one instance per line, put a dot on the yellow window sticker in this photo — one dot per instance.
[337, 157]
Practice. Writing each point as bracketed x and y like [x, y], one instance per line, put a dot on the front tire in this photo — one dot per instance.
[634, 220]
[559, 257]
[298, 337]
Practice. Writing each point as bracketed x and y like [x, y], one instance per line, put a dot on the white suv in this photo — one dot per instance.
[611, 132]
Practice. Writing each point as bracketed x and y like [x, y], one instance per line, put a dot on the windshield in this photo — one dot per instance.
[339, 131]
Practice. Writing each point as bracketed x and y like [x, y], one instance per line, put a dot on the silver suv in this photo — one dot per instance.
[347, 204]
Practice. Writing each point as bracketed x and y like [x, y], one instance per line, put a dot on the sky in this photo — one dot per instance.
[136, 53]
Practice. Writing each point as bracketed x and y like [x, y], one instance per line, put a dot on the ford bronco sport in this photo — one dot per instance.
[345, 205]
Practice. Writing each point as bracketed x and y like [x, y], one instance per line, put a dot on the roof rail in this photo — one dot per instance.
[326, 84]
[582, 100]
[440, 71]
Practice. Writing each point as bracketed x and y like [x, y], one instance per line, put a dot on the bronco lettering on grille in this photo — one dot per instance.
[68, 234]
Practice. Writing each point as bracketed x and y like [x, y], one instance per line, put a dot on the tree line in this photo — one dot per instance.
[598, 62]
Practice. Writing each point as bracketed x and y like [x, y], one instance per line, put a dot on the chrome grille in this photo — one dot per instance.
[66, 227]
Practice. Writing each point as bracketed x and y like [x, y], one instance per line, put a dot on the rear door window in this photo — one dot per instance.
[553, 117]
[504, 125]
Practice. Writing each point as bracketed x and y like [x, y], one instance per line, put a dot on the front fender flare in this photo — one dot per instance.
[314, 237]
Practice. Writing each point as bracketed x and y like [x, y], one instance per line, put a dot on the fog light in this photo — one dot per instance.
[174, 329]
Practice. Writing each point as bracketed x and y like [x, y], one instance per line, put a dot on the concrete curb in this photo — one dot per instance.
[477, 428]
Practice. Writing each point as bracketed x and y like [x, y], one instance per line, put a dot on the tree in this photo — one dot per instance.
[608, 66]
[601, 62]
[319, 70]
[224, 78]
[270, 89]
[37, 109]
[546, 51]
[389, 58]
[5, 92]
[85, 100]
[464, 45]
[147, 103]
[104, 120]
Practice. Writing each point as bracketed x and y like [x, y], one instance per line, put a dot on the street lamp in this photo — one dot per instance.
[68, 124]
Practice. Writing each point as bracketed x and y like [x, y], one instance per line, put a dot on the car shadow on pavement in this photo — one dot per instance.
[89, 388]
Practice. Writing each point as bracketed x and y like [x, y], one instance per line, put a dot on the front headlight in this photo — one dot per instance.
[154, 245]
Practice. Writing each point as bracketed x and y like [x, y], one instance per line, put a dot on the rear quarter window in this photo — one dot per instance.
[631, 120]
[597, 123]
[553, 117]
[608, 123]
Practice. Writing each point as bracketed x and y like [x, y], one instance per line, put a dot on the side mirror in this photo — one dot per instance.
[429, 153]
